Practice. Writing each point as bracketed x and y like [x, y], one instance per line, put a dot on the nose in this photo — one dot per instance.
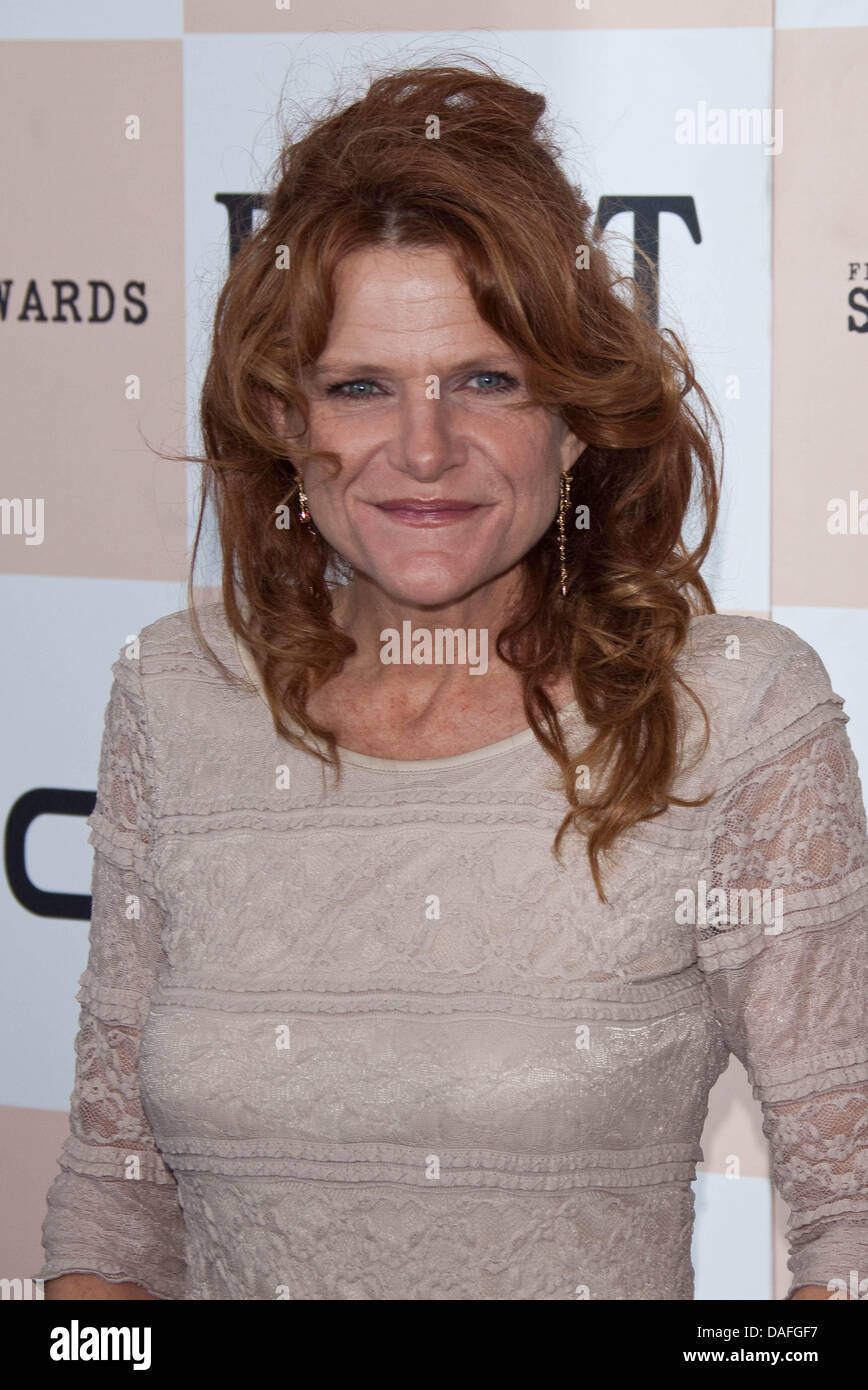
[426, 444]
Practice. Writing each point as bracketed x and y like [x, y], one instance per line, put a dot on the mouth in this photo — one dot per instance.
[410, 512]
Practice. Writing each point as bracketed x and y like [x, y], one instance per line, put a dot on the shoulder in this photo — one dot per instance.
[166, 660]
[174, 634]
[171, 646]
[759, 642]
[764, 686]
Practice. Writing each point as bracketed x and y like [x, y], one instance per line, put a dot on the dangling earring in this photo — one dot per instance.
[303, 509]
[562, 511]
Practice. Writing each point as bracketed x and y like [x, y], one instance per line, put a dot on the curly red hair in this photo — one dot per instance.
[489, 189]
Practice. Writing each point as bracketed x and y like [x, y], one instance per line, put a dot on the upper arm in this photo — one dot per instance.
[113, 1210]
[787, 833]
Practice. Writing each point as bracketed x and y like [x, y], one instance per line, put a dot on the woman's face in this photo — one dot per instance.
[411, 392]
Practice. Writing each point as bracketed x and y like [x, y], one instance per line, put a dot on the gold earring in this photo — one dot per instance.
[303, 509]
[562, 511]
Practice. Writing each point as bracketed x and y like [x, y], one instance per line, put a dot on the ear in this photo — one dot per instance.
[284, 420]
[571, 448]
[275, 412]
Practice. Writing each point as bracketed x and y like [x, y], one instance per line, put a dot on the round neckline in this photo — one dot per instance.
[368, 760]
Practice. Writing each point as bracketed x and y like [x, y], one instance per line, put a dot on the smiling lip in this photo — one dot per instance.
[437, 512]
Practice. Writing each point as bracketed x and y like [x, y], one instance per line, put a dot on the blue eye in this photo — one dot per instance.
[339, 388]
[507, 382]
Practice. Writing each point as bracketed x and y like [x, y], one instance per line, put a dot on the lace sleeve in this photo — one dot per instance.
[784, 951]
[113, 1209]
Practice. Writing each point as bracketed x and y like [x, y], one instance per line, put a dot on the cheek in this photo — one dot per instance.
[335, 433]
[324, 430]
[526, 448]
[533, 467]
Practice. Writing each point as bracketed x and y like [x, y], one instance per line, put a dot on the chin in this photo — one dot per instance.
[429, 590]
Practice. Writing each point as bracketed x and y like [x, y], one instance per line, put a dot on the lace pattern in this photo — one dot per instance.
[114, 1209]
[225, 910]
[793, 1003]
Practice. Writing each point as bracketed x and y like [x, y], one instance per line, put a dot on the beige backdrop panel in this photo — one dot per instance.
[820, 220]
[86, 203]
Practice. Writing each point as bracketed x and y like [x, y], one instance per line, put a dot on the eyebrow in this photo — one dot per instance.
[494, 362]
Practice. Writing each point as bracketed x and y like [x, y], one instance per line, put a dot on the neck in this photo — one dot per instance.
[398, 641]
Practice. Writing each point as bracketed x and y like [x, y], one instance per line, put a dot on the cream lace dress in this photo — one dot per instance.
[370, 1041]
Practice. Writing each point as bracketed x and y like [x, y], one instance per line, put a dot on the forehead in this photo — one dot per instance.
[411, 268]
[398, 295]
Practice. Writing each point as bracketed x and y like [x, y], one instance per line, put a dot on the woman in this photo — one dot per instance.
[385, 1034]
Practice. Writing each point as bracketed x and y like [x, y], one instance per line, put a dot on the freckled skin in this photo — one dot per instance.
[410, 313]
